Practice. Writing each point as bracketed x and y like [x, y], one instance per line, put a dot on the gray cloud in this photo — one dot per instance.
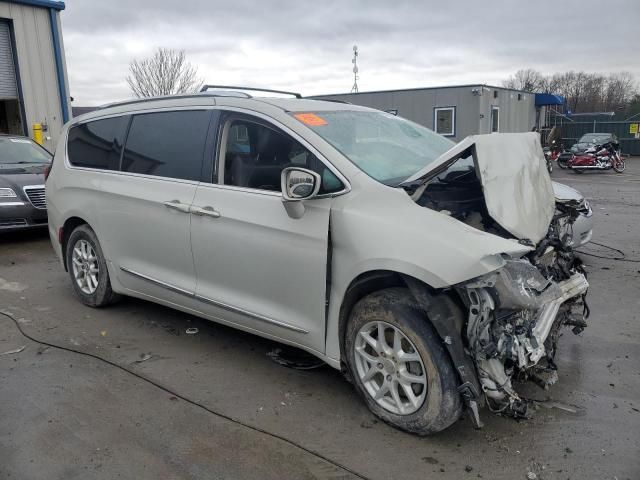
[306, 46]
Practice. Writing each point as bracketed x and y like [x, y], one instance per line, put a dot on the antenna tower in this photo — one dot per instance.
[354, 89]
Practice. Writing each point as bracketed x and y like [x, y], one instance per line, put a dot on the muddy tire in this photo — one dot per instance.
[426, 399]
[88, 268]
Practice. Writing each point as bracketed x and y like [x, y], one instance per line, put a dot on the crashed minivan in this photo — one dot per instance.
[341, 230]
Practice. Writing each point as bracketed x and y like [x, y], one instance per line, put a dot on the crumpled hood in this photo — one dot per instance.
[515, 182]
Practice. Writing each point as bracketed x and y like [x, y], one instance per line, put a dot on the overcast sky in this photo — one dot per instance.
[306, 46]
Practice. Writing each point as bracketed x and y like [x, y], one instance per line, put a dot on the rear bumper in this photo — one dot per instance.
[20, 215]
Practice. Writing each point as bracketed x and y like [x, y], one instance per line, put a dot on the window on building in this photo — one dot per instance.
[167, 144]
[495, 119]
[445, 121]
[255, 156]
[97, 144]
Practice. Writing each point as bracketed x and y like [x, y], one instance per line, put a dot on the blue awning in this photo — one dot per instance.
[549, 99]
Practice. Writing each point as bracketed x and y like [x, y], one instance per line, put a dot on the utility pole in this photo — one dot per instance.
[354, 89]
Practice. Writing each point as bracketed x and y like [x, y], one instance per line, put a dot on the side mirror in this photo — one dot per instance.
[298, 184]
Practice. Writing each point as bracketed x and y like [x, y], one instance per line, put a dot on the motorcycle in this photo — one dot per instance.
[598, 157]
[551, 154]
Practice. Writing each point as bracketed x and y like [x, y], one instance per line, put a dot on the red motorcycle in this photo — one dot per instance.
[551, 154]
[598, 157]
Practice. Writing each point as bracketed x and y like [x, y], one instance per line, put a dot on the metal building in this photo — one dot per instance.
[456, 111]
[33, 77]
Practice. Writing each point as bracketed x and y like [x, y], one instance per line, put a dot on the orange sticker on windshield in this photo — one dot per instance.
[311, 119]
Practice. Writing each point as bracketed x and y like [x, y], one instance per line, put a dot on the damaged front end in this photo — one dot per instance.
[514, 315]
[514, 320]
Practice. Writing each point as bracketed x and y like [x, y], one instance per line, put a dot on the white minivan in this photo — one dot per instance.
[431, 273]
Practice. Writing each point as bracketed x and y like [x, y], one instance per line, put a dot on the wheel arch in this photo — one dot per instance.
[443, 309]
[69, 225]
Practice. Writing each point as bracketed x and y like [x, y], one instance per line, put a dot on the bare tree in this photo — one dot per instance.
[165, 73]
[584, 92]
[528, 80]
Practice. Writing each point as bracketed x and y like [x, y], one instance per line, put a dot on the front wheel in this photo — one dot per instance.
[399, 365]
[549, 165]
[88, 268]
[619, 165]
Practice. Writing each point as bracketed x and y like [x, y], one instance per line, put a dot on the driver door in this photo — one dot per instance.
[258, 268]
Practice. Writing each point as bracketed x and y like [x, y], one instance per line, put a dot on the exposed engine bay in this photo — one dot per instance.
[515, 314]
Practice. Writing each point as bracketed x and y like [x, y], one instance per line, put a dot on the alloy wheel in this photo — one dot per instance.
[85, 267]
[390, 368]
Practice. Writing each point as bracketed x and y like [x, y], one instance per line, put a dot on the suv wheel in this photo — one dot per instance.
[398, 363]
[88, 268]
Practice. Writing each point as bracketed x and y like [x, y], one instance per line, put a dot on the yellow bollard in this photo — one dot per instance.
[37, 133]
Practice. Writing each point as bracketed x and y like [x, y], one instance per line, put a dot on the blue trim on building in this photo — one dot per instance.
[64, 105]
[41, 3]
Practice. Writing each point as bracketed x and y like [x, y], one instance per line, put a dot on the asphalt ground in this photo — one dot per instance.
[214, 405]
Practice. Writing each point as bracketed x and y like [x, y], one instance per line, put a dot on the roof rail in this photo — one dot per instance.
[251, 89]
[153, 99]
[334, 100]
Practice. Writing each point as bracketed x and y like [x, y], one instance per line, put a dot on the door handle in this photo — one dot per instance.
[177, 205]
[205, 212]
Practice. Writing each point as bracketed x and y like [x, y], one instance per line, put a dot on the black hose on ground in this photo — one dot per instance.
[182, 397]
[620, 258]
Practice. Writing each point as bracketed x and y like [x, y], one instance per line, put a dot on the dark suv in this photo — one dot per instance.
[22, 172]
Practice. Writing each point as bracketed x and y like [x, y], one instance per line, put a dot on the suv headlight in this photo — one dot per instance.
[7, 193]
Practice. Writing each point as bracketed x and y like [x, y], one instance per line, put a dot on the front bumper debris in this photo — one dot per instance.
[515, 315]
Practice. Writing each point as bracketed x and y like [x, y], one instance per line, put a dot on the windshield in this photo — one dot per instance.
[594, 137]
[388, 148]
[21, 150]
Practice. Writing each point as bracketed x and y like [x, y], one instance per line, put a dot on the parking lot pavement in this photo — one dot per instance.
[63, 415]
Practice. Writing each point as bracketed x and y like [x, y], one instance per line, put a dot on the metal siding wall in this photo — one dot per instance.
[8, 86]
[32, 31]
[515, 115]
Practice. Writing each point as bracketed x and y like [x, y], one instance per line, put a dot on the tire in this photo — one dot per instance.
[575, 170]
[93, 289]
[397, 311]
[562, 165]
[549, 166]
[619, 166]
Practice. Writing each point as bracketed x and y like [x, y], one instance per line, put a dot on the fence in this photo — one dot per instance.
[628, 133]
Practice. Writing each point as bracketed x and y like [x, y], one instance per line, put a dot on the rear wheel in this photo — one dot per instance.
[399, 365]
[88, 268]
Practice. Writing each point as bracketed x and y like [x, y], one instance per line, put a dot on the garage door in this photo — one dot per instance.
[8, 88]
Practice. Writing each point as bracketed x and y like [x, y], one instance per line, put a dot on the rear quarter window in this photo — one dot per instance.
[97, 144]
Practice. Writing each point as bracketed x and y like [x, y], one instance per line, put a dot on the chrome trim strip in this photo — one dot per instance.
[257, 316]
[168, 286]
[12, 204]
[222, 305]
